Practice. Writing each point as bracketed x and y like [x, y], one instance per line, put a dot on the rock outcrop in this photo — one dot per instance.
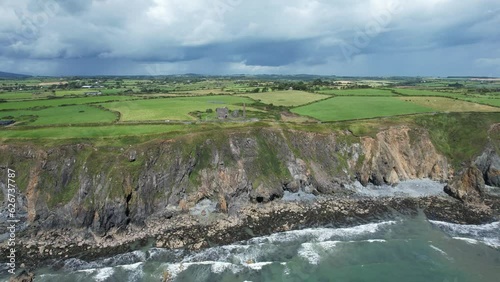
[468, 186]
[401, 153]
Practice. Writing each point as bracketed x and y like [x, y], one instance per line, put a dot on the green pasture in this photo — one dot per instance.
[424, 92]
[42, 94]
[11, 105]
[492, 101]
[346, 108]
[358, 92]
[443, 104]
[17, 95]
[90, 132]
[173, 108]
[60, 115]
[285, 98]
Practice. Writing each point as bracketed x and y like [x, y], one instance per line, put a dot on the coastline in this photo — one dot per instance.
[194, 232]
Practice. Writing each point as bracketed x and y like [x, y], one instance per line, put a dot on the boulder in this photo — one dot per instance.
[467, 187]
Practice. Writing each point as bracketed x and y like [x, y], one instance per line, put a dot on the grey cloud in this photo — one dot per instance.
[256, 36]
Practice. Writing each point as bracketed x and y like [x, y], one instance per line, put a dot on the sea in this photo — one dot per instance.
[405, 249]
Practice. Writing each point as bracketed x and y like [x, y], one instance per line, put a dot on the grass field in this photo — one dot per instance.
[346, 108]
[60, 115]
[16, 95]
[487, 101]
[285, 98]
[358, 92]
[90, 132]
[28, 95]
[420, 92]
[202, 92]
[443, 104]
[173, 108]
[61, 101]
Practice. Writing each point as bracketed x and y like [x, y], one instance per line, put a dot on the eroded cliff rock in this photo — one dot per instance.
[106, 188]
[401, 153]
[468, 186]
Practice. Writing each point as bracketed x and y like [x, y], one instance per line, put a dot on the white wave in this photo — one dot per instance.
[322, 234]
[239, 254]
[216, 267]
[469, 229]
[257, 265]
[132, 267]
[104, 273]
[439, 250]
[376, 241]
[488, 234]
[311, 251]
[468, 240]
[492, 242]
[154, 253]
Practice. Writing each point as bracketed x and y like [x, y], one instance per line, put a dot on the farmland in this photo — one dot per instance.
[442, 104]
[173, 108]
[60, 115]
[348, 108]
[41, 103]
[358, 92]
[44, 108]
[286, 98]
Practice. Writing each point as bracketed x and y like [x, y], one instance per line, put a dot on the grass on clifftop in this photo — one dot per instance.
[459, 136]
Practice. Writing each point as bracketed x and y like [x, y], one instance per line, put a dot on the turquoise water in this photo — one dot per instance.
[412, 249]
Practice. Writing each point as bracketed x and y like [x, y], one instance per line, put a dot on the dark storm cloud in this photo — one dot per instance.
[237, 36]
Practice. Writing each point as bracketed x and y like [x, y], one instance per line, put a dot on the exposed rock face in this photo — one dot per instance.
[401, 154]
[468, 187]
[106, 189]
[489, 164]
[23, 277]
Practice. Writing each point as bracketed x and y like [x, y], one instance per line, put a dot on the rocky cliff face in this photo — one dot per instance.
[109, 188]
[469, 185]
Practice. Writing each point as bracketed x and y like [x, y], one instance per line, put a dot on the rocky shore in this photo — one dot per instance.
[193, 232]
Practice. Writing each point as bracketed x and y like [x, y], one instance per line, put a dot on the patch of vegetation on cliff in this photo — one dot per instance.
[23, 169]
[266, 167]
[268, 160]
[203, 147]
[61, 192]
[459, 136]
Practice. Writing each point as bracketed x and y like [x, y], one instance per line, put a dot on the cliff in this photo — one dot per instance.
[106, 192]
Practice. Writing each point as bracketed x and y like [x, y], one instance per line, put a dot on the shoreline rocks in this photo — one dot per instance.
[196, 232]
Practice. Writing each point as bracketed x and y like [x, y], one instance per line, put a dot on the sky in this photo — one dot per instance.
[221, 37]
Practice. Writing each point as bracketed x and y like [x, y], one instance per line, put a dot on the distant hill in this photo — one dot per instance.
[12, 75]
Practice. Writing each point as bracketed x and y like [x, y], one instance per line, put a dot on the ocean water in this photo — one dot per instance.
[410, 249]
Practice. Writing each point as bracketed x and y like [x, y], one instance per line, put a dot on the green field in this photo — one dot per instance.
[285, 98]
[90, 132]
[28, 95]
[60, 115]
[174, 108]
[11, 105]
[487, 101]
[358, 92]
[16, 95]
[420, 92]
[346, 108]
[443, 104]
